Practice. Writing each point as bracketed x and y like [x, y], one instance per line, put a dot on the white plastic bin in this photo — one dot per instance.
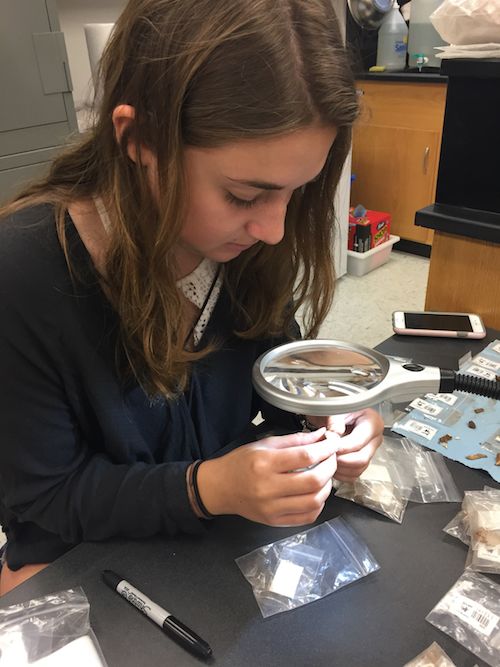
[359, 263]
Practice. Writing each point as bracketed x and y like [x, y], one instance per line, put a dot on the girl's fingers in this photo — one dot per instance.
[346, 478]
[300, 457]
[307, 481]
[358, 458]
[292, 440]
[367, 428]
[336, 424]
[302, 504]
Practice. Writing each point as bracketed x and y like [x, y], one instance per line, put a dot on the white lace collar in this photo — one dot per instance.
[198, 287]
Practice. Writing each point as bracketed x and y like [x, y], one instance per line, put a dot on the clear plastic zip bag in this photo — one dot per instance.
[470, 613]
[492, 444]
[307, 566]
[51, 630]
[459, 526]
[379, 488]
[424, 475]
[483, 511]
[433, 656]
[390, 412]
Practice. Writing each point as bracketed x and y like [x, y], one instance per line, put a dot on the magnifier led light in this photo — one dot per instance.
[328, 377]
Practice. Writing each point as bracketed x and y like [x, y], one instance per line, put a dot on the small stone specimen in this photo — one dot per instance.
[478, 410]
[497, 460]
[475, 457]
[471, 424]
[444, 440]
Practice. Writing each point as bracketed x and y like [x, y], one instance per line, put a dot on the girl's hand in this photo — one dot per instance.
[361, 434]
[280, 480]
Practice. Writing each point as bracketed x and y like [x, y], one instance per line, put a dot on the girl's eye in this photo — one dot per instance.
[242, 203]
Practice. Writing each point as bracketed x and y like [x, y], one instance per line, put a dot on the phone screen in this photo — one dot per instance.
[438, 322]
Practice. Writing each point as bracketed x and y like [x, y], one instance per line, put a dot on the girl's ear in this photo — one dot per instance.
[123, 118]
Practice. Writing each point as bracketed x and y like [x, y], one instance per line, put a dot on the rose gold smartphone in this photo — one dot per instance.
[448, 325]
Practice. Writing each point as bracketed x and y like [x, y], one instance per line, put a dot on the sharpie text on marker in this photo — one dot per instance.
[168, 623]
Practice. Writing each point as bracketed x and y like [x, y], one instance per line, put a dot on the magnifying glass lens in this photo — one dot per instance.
[323, 373]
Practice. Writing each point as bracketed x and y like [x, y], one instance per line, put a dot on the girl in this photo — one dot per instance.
[166, 249]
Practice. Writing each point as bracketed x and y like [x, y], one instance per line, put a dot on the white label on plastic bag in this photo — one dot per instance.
[426, 407]
[481, 372]
[286, 579]
[496, 347]
[376, 473]
[427, 432]
[474, 614]
[485, 552]
[488, 363]
[449, 399]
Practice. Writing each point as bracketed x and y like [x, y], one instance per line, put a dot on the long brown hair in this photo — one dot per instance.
[205, 73]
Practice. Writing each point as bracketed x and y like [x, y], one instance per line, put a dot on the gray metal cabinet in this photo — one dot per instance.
[36, 105]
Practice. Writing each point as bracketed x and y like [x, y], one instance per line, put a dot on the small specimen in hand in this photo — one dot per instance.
[497, 460]
[471, 424]
[478, 410]
[475, 457]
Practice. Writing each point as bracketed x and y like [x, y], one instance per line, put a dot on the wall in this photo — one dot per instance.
[73, 14]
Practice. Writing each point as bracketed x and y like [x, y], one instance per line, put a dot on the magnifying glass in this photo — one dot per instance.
[328, 377]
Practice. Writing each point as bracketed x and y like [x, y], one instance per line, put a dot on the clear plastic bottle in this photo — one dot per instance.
[392, 41]
[423, 36]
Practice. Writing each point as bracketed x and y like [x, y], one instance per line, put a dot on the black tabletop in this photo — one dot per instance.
[377, 622]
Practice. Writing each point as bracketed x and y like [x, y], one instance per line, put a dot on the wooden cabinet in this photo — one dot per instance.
[396, 151]
[464, 277]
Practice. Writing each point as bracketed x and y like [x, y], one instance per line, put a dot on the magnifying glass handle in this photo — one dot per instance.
[408, 380]
[471, 384]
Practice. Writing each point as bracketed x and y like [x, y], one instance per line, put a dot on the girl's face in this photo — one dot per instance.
[238, 193]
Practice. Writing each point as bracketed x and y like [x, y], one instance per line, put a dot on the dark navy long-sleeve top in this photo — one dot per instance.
[83, 455]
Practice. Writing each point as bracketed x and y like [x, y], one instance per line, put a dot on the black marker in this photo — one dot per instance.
[168, 623]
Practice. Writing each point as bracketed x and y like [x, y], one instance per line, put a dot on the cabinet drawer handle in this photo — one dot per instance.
[426, 159]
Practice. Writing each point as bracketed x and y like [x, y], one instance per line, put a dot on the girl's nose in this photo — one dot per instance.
[269, 223]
